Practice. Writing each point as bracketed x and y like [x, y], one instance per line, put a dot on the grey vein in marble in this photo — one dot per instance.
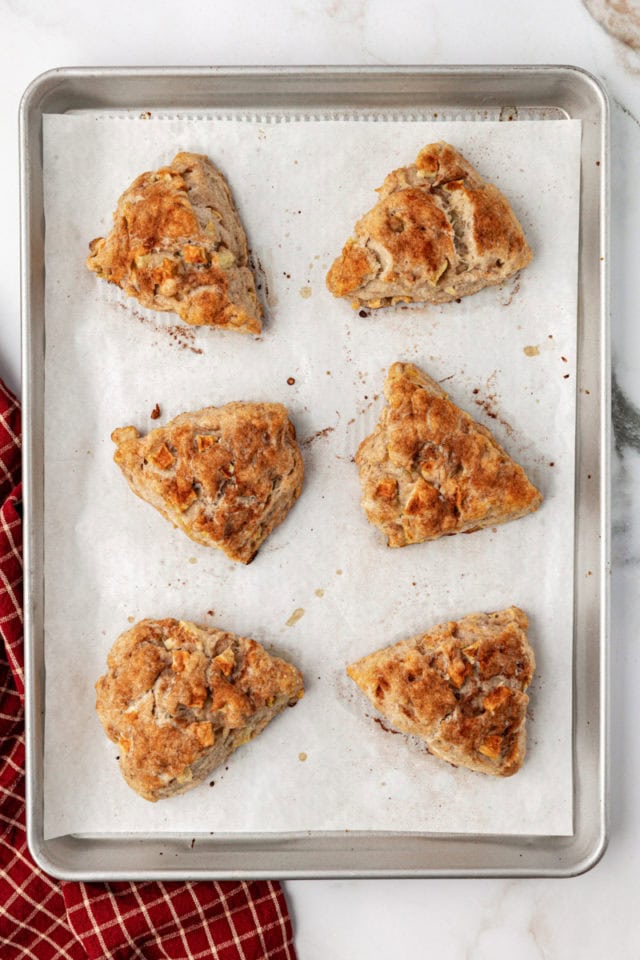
[626, 420]
[626, 111]
[626, 430]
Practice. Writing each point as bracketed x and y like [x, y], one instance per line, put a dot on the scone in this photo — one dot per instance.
[178, 698]
[429, 470]
[225, 475]
[459, 687]
[177, 244]
[438, 232]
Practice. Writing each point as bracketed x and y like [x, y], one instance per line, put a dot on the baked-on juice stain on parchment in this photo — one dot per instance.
[626, 420]
[295, 616]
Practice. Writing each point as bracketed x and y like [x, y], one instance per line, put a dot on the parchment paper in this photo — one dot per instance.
[324, 590]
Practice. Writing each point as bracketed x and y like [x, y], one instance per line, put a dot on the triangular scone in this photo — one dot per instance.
[177, 244]
[459, 687]
[178, 698]
[438, 232]
[225, 475]
[429, 470]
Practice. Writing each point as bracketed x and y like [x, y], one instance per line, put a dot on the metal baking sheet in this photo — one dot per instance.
[539, 94]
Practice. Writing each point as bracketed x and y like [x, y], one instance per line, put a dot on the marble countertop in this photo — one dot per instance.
[593, 916]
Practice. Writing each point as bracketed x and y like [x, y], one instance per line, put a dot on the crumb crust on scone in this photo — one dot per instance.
[430, 470]
[460, 687]
[226, 476]
[438, 232]
[177, 244]
[179, 698]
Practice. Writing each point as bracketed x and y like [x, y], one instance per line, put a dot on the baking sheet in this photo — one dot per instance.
[109, 557]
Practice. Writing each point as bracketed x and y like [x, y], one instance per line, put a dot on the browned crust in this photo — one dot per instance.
[178, 698]
[225, 475]
[459, 687]
[429, 470]
[438, 232]
[177, 244]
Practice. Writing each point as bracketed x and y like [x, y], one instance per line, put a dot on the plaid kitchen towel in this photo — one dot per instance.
[41, 918]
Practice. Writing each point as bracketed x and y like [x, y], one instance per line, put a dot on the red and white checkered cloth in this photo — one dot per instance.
[41, 918]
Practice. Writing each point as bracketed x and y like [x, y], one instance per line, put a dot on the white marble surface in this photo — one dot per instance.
[594, 916]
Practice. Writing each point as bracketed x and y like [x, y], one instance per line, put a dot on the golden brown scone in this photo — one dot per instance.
[438, 232]
[177, 244]
[178, 698]
[225, 475]
[459, 687]
[429, 470]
